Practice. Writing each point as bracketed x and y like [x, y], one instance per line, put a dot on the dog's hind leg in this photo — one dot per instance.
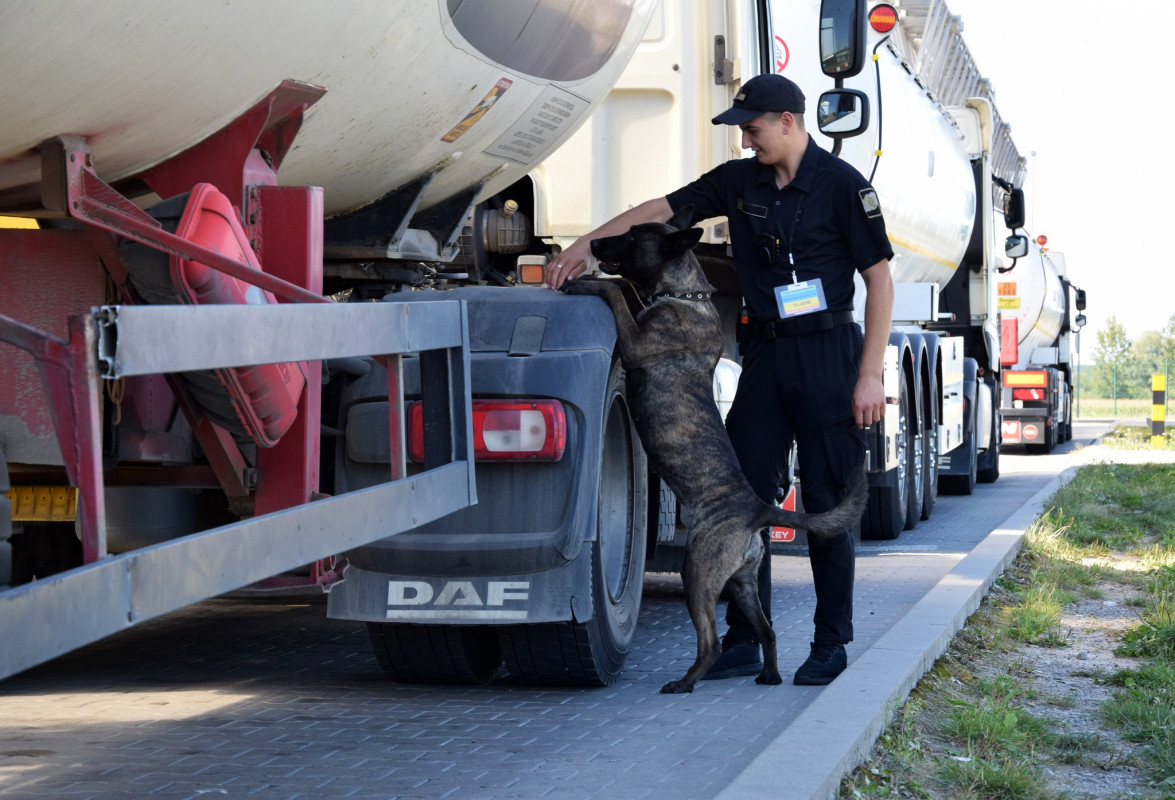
[702, 603]
[744, 590]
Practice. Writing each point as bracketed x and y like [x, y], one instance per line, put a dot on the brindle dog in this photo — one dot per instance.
[670, 339]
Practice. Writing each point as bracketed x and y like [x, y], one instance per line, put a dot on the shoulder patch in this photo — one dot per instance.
[870, 203]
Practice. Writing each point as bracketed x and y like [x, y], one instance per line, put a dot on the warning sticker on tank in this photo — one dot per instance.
[479, 110]
[529, 140]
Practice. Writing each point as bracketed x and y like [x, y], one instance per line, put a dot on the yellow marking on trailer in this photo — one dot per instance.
[43, 503]
[922, 251]
[17, 222]
[1018, 379]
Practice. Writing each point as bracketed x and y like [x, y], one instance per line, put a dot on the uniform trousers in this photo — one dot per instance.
[801, 387]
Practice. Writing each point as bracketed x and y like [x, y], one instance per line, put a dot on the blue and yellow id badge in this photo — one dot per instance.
[797, 299]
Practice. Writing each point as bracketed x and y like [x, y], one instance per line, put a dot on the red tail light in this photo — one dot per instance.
[1028, 394]
[504, 430]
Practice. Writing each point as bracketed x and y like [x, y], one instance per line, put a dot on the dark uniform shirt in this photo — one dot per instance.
[827, 218]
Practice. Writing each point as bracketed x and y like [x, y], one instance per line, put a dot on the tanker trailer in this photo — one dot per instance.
[216, 189]
[1037, 349]
[944, 140]
[944, 170]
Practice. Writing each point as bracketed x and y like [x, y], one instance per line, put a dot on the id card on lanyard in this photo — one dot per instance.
[798, 297]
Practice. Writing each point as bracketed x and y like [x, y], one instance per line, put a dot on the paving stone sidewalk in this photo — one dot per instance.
[270, 699]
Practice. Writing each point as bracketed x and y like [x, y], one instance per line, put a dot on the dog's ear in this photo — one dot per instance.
[682, 218]
[678, 243]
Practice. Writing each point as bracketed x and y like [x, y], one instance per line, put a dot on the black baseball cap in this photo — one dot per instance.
[759, 95]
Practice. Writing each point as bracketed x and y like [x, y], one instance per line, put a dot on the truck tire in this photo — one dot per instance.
[916, 458]
[593, 652]
[988, 466]
[1050, 440]
[885, 517]
[435, 653]
[930, 455]
[5, 525]
[663, 552]
[965, 484]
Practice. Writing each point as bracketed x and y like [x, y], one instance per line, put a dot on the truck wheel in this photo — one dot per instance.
[930, 456]
[435, 653]
[965, 484]
[989, 470]
[885, 517]
[1050, 440]
[915, 458]
[592, 652]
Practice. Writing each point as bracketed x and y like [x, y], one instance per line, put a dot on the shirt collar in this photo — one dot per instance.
[804, 176]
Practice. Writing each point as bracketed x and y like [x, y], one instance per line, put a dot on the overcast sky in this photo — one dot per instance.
[1084, 91]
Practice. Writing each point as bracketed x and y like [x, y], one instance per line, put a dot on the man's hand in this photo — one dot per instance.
[574, 261]
[868, 401]
[869, 393]
[569, 264]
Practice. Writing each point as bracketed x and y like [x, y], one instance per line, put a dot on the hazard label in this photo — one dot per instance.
[478, 111]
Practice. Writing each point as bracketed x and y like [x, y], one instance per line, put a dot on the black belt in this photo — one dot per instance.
[797, 326]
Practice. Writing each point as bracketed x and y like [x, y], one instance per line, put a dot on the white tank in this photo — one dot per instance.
[923, 176]
[1034, 294]
[482, 91]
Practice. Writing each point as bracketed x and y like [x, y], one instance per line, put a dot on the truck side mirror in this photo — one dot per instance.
[1080, 302]
[842, 113]
[1016, 246]
[842, 37]
[1014, 209]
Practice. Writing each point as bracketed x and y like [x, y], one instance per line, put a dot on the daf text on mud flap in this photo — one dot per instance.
[420, 600]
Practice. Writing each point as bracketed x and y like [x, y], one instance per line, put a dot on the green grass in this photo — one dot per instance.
[1143, 708]
[1119, 506]
[1003, 778]
[1035, 617]
[963, 736]
[1125, 408]
[1136, 437]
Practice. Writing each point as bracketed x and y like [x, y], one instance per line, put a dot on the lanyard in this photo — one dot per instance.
[791, 237]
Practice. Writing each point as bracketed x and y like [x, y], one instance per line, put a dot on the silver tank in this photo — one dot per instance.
[1034, 294]
[481, 90]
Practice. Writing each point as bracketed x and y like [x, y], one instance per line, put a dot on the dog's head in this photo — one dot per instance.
[642, 253]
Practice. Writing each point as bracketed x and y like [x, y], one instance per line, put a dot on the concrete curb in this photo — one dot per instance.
[837, 731]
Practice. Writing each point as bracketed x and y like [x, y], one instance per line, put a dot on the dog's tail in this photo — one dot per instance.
[828, 523]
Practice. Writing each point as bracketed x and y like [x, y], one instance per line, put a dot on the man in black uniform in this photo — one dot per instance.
[802, 224]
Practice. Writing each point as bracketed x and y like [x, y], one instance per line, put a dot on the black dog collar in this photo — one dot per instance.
[681, 296]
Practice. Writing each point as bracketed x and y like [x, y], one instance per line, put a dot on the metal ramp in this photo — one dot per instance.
[932, 43]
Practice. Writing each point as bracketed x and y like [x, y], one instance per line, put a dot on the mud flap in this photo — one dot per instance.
[466, 600]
